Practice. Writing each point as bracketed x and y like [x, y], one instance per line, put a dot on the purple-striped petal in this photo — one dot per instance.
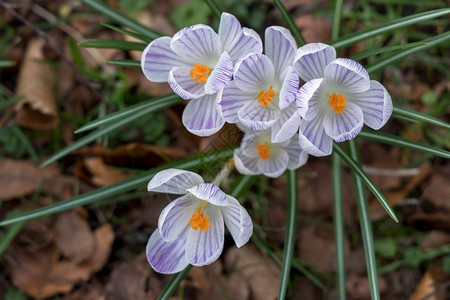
[253, 72]
[275, 165]
[289, 89]
[197, 44]
[280, 47]
[256, 117]
[347, 74]
[232, 100]
[221, 75]
[238, 222]
[184, 85]
[287, 125]
[209, 192]
[244, 164]
[203, 116]
[308, 98]
[229, 29]
[203, 247]
[297, 157]
[174, 181]
[166, 257]
[247, 42]
[376, 105]
[158, 59]
[346, 125]
[311, 60]
[174, 219]
[249, 143]
[313, 139]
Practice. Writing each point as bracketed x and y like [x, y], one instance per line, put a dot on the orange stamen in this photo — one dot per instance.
[263, 151]
[264, 98]
[337, 102]
[200, 73]
[198, 220]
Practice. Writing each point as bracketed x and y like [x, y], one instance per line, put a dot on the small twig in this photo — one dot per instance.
[392, 172]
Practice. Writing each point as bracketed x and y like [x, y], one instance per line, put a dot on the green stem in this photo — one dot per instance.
[337, 16]
[214, 8]
[290, 23]
[173, 284]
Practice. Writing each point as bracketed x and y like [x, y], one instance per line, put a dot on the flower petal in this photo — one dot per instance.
[253, 72]
[346, 125]
[249, 143]
[308, 98]
[244, 164]
[174, 219]
[197, 44]
[229, 29]
[275, 165]
[184, 85]
[203, 116]
[297, 157]
[203, 247]
[248, 41]
[238, 222]
[221, 75]
[166, 257]
[289, 89]
[158, 59]
[348, 74]
[209, 192]
[173, 181]
[256, 117]
[311, 60]
[313, 139]
[376, 105]
[232, 100]
[280, 47]
[287, 125]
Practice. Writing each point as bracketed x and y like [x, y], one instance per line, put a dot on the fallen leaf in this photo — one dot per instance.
[435, 239]
[314, 29]
[428, 287]
[36, 81]
[437, 191]
[89, 292]
[103, 174]
[358, 286]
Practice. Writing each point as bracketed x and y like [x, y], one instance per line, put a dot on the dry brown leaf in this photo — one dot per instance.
[358, 287]
[20, 177]
[103, 174]
[260, 273]
[438, 191]
[314, 29]
[36, 81]
[435, 239]
[428, 287]
[89, 292]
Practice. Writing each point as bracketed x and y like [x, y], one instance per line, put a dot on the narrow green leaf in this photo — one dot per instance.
[289, 240]
[7, 63]
[356, 168]
[394, 140]
[25, 142]
[156, 103]
[173, 284]
[129, 33]
[242, 184]
[193, 163]
[338, 220]
[119, 122]
[121, 19]
[372, 52]
[337, 19]
[290, 23]
[10, 232]
[430, 43]
[127, 63]
[214, 8]
[366, 225]
[403, 112]
[365, 34]
[113, 44]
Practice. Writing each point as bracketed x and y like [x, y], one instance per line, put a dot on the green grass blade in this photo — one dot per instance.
[403, 112]
[356, 168]
[365, 34]
[214, 8]
[290, 23]
[25, 142]
[337, 19]
[108, 128]
[173, 284]
[123, 20]
[338, 220]
[430, 43]
[289, 240]
[193, 163]
[127, 63]
[129, 33]
[157, 103]
[368, 53]
[366, 225]
[242, 184]
[113, 44]
[394, 140]
[10, 232]
[7, 63]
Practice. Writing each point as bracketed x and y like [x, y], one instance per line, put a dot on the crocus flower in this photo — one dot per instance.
[258, 155]
[263, 84]
[197, 63]
[339, 97]
[191, 228]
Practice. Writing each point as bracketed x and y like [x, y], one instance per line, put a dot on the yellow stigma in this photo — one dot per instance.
[263, 151]
[264, 98]
[337, 102]
[198, 220]
[200, 73]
